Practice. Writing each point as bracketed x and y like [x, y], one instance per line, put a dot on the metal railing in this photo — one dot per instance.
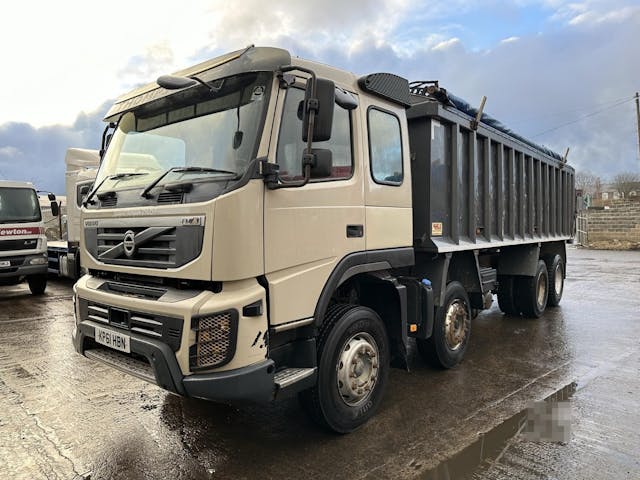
[582, 229]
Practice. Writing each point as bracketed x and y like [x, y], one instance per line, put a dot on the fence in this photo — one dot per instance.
[582, 229]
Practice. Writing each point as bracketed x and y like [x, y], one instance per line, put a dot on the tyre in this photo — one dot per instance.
[37, 284]
[506, 300]
[531, 292]
[353, 365]
[451, 330]
[555, 272]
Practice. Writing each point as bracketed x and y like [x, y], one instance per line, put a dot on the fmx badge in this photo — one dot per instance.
[436, 229]
[193, 221]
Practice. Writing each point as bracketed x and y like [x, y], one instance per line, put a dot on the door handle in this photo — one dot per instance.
[355, 231]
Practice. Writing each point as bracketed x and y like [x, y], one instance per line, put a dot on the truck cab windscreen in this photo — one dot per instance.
[196, 138]
[19, 205]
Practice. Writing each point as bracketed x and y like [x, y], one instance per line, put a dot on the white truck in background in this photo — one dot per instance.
[64, 255]
[23, 243]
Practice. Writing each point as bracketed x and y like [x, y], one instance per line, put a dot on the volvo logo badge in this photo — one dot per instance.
[129, 243]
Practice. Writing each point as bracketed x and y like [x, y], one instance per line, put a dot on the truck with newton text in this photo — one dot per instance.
[64, 254]
[262, 225]
[23, 243]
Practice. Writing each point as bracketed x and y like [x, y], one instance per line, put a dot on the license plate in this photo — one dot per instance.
[5, 263]
[112, 339]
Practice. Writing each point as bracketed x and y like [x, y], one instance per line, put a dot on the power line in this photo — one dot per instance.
[564, 112]
[584, 116]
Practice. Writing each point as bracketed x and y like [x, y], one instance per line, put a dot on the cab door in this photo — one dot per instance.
[309, 229]
[388, 211]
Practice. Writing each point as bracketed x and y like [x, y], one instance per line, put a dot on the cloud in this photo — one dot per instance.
[591, 12]
[37, 154]
[9, 152]
[447, 44]
[578, 57]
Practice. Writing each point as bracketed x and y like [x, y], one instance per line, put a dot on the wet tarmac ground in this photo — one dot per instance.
[64, 416]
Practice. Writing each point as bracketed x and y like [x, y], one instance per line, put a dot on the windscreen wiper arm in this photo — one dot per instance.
[148, 188]
[116, 176]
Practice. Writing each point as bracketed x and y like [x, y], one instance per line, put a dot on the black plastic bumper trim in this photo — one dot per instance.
[250, 383]
[253, 383]
[24, 270]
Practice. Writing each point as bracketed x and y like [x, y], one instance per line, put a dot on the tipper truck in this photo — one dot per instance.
[23, 243]
[263, 225]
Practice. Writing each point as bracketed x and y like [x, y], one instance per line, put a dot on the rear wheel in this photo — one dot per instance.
[531, 292]
[506, 300]
[353, 365]
[37, 284]
[451, 329]
[555, 272]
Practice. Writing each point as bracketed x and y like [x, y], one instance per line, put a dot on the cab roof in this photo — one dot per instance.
[15, 184]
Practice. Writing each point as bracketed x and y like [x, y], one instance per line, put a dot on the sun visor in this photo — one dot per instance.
[254, 59]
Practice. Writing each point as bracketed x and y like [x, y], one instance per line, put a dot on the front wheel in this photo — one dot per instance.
[37, 284]
[353, 365]
[451, 329]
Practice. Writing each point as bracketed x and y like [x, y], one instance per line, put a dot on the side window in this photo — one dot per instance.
[291, 146]
[385, 147]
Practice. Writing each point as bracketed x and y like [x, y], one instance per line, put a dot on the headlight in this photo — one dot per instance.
[38, 261]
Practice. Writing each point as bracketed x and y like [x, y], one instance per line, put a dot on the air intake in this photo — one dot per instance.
[170, 197]
[216, 336]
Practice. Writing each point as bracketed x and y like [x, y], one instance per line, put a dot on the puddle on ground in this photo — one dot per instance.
[489, 444]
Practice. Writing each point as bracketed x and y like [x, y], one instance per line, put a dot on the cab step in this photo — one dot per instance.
[288, 376]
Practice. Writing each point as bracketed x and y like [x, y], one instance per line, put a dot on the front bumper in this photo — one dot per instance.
[251, 383]
[163, 335]
[20, 266]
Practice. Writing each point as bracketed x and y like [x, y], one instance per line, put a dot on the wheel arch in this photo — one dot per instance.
[368, 273]
[361, 265]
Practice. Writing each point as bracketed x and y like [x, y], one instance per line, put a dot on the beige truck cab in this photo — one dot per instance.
[252, 233]
[81, 169]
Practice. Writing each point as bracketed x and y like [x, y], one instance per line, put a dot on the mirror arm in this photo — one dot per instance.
[105, 141]
[308, 158]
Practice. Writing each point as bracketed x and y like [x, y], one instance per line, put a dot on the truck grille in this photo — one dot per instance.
[157, 246]
[216, 336]
[166, 329]
[151, 247]
[14, 261]
[18, 244]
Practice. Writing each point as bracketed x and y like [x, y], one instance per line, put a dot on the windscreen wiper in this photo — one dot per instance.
[148, 188]
[117, 176]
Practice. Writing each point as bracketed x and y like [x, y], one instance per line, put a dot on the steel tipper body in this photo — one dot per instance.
[23, 244]
[262, 225]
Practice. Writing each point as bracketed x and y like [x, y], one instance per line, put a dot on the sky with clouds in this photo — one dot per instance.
[561, 72]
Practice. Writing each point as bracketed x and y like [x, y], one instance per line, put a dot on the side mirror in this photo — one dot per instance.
[51, 197]
[55, 208]
[322, 163]
[323, 102]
